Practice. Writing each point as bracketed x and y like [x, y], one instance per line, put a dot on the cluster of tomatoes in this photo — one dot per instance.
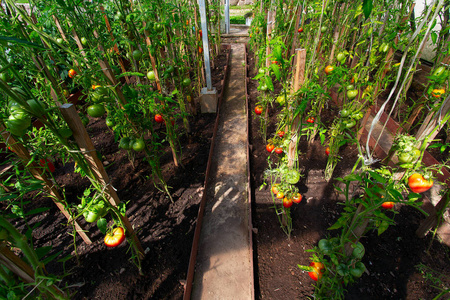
[288, 201]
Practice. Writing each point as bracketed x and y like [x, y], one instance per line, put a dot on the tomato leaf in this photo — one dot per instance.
[131, 74]
[434, 37]
[382, 227]
[258, 76]
[102, 225]
[269, 83]
[43, 251]
[367, 7]
[276, 70]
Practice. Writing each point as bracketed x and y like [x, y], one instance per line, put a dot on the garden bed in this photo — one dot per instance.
[165, 229]
[397, 261]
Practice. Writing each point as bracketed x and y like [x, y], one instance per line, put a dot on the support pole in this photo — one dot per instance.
[201, 4]
[227, 16]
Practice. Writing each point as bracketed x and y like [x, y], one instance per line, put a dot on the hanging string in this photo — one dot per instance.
[369, 159]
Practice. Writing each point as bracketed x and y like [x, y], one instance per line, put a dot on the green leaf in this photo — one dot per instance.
[367, 7]
[20, 41]
[102, 225]
[276, 70]
[382, 227]
[269, 83]
[434, 37]
[258, 76]
[131, 74]
[37, 211]
[51, 257]
[43, 251]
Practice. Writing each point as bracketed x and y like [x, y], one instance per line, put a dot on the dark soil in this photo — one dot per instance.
[392, 259]
[165, 229]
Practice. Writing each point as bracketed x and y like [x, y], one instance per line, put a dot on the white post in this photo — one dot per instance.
[201, 4]
[227, 16]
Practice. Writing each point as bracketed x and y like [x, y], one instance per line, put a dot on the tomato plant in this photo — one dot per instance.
[311, 120]
[287, 202]
[258, 110]
[115, 238]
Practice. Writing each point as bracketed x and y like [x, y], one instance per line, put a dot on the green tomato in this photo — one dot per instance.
[292, 176]
[186, 82]
[5, 76]
[151, 75]
[21, 123]
[261, 71]
[281, 100]
[350, 123]
[137, 54]
[351, 94]
[358, 116]
[96, 110]
[341, 57]
[342, 270]
[358, 270]
[439, 71]
[125, 143]
[345, 113]
[138, 145]
[358, 251]
[109, 121]
[323, 29]
[91, 216]
[84, 120]
[325, 246]
[170, 69]
[263, 87]
[59, 40]
[405, 157]
[83, 41]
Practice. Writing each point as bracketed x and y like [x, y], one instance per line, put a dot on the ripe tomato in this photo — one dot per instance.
[387, 205]
[258, 110]
[200, 49]
[297, 198]
[287, 202]
[278, 150]
[311, 120]
[437, 93]
[418, 184]
[47, 164]
[329, 69]
[275, 188]
[270, 147]
[280, 195]
[72, 73]
[280, 133]
[159, 118]
[96, 110]
[300, 30]
[327, 151]
[115, 238]
[318, 271]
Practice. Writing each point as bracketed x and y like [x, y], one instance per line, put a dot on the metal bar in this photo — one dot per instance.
[202, 7]
[227, 16]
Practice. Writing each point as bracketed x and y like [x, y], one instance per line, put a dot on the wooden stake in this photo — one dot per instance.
[87, 148]
[38, 173]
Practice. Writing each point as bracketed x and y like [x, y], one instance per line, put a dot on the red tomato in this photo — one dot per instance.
[297, 198]
[270, 147]
[311, 120]
[387, 205]
[258, 110]
[418, 184]
[200, 49]
[327, 151]
[115, 238]
[318, 271]
[329, 69]
[159, 118]
[287, 202]
[280, 133]
[72, 73]
[275, 188]
[300, 30]
[47, 164]
[278, 150]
